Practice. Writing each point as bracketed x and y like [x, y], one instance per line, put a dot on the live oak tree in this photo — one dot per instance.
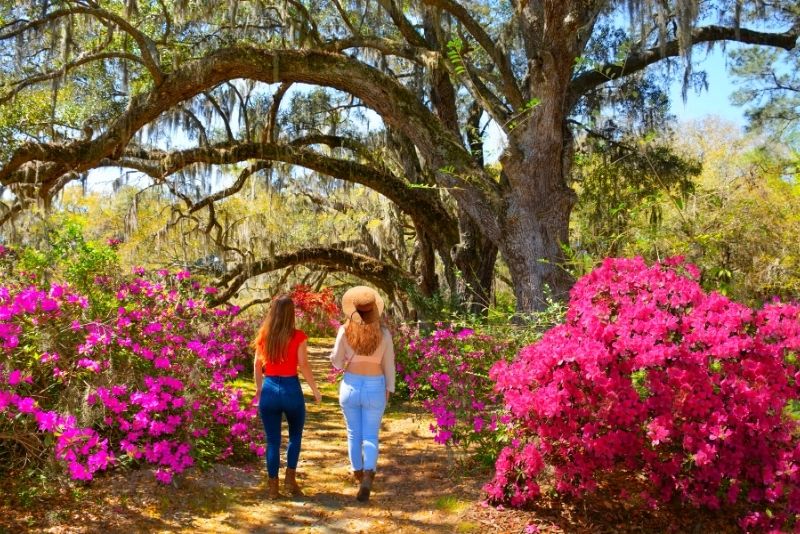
[82, 79]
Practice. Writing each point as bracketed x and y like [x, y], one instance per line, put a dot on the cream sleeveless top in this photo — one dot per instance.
[343, 355]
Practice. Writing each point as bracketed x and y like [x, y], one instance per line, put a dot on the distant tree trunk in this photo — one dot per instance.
[475, 257]
[428, 281]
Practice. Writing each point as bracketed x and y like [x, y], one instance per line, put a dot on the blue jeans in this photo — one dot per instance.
[282, 395]
[363, 399]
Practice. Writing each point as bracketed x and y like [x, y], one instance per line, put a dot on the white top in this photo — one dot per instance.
[343, 355]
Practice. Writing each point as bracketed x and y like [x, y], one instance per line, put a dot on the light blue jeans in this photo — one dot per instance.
[363, 400]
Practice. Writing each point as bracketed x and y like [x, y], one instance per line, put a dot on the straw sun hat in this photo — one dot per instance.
[362, 302]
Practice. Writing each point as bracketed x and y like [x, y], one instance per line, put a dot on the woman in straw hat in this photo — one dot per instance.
[280, 351]
[364, 351]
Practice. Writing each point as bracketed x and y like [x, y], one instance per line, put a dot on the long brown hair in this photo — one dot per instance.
[275, 332]
[364, 338]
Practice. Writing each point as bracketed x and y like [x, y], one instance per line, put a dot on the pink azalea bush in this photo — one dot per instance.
[652, 376]
[448, 371]
[150, 382]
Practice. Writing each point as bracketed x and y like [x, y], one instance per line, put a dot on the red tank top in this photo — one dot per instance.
[287, 366]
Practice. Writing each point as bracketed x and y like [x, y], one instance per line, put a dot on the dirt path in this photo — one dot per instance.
[412, 492]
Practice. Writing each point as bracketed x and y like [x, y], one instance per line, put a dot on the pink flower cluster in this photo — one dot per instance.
[652, 375]
[150, 383]
[82, 449]
[448, 370]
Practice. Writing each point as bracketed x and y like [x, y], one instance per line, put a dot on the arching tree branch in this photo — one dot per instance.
[397, 105]
[499, 58]
[638, 61]
[383, 275]
[422, 204]
[337, 141]
[389, 47]
[233, 189]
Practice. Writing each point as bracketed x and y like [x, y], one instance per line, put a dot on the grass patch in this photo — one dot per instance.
[467, 526]
[324, 342]
[450, 504]
[247, 385]
[793, 409]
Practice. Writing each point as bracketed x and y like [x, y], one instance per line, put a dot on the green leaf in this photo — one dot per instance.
[532, 103]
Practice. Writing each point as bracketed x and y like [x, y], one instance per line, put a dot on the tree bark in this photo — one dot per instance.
[538, 201]
[475, 258]
[426, 265]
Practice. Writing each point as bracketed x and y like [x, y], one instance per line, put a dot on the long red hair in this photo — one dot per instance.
[363, 338]
[275, 332]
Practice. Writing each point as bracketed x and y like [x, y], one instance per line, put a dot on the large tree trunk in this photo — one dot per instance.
[538, 201]
[532, 247]
[536, 224]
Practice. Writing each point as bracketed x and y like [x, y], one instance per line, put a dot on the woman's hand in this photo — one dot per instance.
[305, 370]
[388, 394]
[256, 398]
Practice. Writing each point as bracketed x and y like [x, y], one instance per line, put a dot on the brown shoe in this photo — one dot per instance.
[359, 476]
[290, 483]
[272, 489]
[366, 485]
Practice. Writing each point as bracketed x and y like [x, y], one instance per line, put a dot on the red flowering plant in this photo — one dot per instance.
[150, 382]
[652, 376]
[317, 311]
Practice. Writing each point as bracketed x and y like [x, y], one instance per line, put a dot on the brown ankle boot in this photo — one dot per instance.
[366, 485]
[272, 488]
[290, 483]
[358, 475]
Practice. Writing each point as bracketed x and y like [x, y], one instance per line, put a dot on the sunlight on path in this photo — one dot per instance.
[407, 486]
[411, 492]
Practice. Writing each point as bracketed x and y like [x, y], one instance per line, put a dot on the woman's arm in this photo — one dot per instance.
[389, 365]
[338, 352]
[305, 369]
[257, 376]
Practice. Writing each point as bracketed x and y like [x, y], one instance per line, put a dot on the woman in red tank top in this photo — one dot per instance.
[280, 351]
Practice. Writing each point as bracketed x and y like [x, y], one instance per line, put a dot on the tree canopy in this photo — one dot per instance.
[172, 89]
